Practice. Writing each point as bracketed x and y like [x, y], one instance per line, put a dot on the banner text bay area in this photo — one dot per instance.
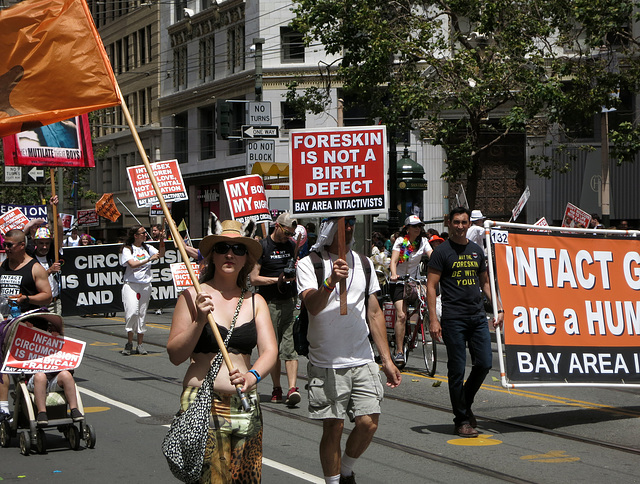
[572, 312]
[341, 169]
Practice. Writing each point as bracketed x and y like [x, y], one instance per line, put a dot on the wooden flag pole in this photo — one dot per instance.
[177, 240]
[342, 253]
[56, 229]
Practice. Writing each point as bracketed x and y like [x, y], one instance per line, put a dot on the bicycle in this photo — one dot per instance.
[416, 330]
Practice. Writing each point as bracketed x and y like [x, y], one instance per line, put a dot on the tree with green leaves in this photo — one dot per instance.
[445, 67]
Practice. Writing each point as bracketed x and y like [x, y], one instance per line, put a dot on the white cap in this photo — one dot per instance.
[476, 215]
[413, 220]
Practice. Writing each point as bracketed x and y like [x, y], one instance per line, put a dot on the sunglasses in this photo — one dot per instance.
[8, 245]
[222, 248]
[349, 222]
[286, 232]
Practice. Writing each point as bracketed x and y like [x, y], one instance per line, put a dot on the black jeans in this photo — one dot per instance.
[457, 333]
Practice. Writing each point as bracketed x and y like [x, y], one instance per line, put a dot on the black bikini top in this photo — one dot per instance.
[242, 342]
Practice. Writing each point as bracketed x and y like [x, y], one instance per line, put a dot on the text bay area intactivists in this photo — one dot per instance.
[92, 279]
[572, 311]
[341, 170]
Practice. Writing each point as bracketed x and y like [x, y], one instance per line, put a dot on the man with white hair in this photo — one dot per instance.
[343, 376]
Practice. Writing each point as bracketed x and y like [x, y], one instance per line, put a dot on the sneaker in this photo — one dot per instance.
[76, 415]
[466, 430]
[141, 350]
[127, 349]
[42, 419]
[293, 397]
[399, 360]
[276, 395]
[348, 479]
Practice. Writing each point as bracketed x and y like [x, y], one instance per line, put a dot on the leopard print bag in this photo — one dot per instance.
[185, 442]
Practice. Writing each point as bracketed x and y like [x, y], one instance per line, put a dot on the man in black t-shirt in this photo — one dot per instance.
[459, 266]
[274, 277]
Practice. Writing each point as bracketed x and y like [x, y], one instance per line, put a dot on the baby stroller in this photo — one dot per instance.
[23, 423]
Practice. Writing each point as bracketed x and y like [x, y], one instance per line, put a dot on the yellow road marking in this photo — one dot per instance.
[481, 440]
[159, 326]
[96, 409]
[100, 343]
[553, 456]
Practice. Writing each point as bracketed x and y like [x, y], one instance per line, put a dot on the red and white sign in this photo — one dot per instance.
[520, 205]
[168, 176]
[13, 219]
[338, 171]
[67, 221]
[247, 198]
[575, 217]
[181, 278]
[66, 143]
[88, 218]
[35, 351]
[155, 210]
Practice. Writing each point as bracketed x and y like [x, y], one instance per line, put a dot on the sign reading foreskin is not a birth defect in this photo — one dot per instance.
[338, 171]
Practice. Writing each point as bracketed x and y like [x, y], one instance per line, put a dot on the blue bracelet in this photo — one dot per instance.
[257, 375]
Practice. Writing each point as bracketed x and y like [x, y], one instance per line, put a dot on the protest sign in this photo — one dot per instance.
[35, 351]
[32, 212]
[92, 279]
[575, 217]
[168, 176]
[88, 218]
[521, 203]
[571, 306]
[338, 171]
[155, 210]
[13, 219]
[247, 198]
[66, 143]
[181, 277]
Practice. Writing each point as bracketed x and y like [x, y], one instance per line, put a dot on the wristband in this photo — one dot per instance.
[327, 287]
[256, 374]
[500, 311]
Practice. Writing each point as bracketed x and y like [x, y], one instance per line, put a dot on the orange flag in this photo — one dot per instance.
[106, 207]
[53, 65]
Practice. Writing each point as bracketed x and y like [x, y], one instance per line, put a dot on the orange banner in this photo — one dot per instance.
[56, 66]
[572, 310]
[106, 207]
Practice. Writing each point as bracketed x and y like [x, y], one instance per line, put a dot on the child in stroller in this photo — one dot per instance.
[47, 397]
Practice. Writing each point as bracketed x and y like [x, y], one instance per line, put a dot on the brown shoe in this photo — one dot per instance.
[466, 430]
[472, 420]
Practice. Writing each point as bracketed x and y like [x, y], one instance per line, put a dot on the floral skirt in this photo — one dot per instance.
[234, 445]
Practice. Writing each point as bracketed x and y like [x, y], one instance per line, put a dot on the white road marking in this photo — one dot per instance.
[141, 413]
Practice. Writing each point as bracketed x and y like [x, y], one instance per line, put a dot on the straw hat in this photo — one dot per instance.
[232, 232]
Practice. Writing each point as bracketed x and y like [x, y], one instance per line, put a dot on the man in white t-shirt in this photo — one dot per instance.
[343, 376]
[475, 232]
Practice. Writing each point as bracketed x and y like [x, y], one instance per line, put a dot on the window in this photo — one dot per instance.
[118, 57]
[235, 48]
[292, 44]
[142, 46]
[181, 139]
[206, 65]
[207, 132]
[142, 107]
[180, 67]
[291, 119]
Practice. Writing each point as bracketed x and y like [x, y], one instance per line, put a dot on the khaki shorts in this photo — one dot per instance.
[283, 317]
[335, 393]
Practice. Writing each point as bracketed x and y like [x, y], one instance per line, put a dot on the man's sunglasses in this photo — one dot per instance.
[8, 245]
[223, 248]
[349, 222]
[286, 232]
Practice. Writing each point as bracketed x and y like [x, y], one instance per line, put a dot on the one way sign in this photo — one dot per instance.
[260, 132]
[37, 174]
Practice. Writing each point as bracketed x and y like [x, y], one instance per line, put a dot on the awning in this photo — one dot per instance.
[270, 169]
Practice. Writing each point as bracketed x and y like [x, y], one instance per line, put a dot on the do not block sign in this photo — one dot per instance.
[247, 198]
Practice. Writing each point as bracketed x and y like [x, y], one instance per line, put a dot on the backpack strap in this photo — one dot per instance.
[318, 266]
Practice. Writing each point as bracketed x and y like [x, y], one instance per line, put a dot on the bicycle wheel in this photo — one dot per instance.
[429, 350]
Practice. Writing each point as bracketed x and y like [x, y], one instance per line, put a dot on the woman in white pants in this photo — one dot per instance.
[136, 257]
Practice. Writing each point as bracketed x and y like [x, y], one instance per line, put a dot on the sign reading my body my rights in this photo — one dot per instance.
[338, 170]
[168, 176]
[247, 198]
[35, 351]
[572, 311]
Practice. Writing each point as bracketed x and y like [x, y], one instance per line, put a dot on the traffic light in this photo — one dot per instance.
[224, 119]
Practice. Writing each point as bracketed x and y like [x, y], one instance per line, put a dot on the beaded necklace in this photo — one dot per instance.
[406, 249]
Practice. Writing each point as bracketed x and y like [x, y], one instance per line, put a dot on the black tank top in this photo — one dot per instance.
[242, 342]
[20, 281]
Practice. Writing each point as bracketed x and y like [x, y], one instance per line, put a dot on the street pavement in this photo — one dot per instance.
[130, 401]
